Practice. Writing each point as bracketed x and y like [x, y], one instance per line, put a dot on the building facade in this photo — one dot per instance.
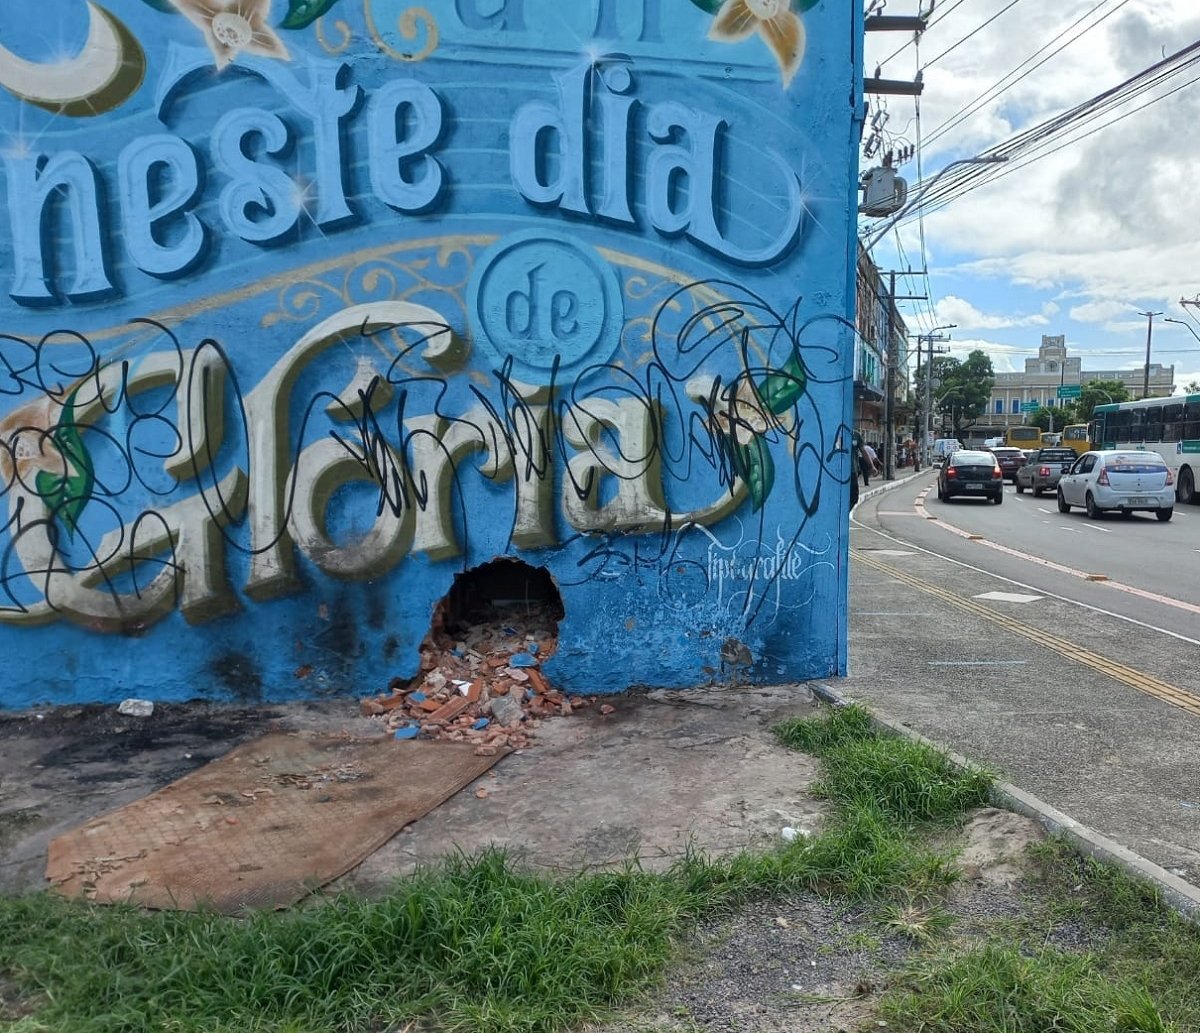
[1054, 367]
[871, 351]
[311, 309]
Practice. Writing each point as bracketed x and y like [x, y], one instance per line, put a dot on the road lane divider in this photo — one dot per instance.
[1083, 575]
[1129, 676]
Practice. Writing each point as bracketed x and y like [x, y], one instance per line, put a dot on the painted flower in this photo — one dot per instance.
[25, 448]
[232, 27]
[773, 20]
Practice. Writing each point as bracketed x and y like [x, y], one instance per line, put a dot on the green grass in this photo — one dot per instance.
[473, 944]
[996, 988]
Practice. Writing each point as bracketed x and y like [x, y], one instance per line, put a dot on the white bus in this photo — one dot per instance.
[1168, 426]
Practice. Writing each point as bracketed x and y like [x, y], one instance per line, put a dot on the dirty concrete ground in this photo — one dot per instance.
[811, 965]
[662, 772]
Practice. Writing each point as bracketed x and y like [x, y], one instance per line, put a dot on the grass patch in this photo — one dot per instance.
[910, 783]
[473, 944]
[998, 989]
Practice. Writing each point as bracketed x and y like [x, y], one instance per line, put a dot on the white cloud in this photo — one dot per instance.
[1100, 311]
[952, 309]
[1109, 220]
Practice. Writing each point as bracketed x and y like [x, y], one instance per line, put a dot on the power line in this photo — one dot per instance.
[904, 46]
[1030, 142]
[980, 28]
[998, 88]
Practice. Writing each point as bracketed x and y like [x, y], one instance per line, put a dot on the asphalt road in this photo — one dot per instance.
[1150, 570]
[978, 626]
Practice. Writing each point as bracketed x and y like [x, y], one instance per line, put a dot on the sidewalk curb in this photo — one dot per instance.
[870, 493]
[1176, 892]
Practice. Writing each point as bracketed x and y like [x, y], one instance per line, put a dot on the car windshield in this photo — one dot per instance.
[1057, 455]
[973, 459]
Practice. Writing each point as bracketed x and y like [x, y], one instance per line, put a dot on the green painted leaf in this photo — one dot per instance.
[163, 5]
[302, 13]
[757, 470]
[709, 6]
[69, 495]
[780, 390]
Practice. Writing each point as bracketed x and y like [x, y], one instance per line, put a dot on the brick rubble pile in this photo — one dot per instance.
[480, 683]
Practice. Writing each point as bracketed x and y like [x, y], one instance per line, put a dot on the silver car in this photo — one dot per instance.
[1120, 481]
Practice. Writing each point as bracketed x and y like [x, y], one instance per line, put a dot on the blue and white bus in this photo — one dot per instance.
[1168, 426]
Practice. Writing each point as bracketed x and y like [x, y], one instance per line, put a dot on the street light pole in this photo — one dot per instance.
[1191, 329]
[988, 159]
[1149, 333]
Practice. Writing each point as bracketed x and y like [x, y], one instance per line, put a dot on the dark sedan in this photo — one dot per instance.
[1010, 460]
[971, 473]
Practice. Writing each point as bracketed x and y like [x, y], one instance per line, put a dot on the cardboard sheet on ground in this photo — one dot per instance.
[262, 826]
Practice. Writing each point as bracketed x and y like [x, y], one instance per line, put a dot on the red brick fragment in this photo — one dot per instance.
[449, 711]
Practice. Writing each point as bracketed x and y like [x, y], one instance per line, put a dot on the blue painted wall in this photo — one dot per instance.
[307, 307]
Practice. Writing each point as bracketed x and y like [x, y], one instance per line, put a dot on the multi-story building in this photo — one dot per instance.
[871, 353]
[1054, 368]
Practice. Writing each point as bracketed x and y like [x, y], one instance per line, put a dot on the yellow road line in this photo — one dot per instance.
[1119, 672]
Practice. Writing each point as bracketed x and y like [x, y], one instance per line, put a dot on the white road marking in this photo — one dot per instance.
[892, 552]
[1049, 511]
[1073, 530]
[1100, 530]
[1009, 597]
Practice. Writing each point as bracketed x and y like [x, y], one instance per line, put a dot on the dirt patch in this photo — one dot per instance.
[799, 966]
[993, 846]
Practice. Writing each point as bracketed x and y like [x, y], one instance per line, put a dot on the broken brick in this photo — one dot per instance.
[448, 711]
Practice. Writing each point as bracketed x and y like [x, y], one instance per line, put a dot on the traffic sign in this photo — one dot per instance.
[1070, 391]
[1030, 407]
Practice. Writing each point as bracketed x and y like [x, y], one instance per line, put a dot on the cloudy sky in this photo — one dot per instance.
[1083, 239]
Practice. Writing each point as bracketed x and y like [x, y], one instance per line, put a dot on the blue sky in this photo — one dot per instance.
[1079, 242]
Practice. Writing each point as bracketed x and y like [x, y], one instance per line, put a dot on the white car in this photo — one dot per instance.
[1120, 481]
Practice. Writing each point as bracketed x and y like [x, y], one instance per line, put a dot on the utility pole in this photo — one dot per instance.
[927, 402]
[889, 400]
[1149, 334]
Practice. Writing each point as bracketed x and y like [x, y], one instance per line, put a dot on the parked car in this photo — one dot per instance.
[971, 473]
[1043, 469]
[1119, 481]
[1010, 460]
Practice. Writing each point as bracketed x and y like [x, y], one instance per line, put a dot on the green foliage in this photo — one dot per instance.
[1099, 392]
[962, 390]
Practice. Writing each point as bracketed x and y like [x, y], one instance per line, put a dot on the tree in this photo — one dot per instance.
[961, 389]
[1193, 387]
[1099, 392]
[1061, 415]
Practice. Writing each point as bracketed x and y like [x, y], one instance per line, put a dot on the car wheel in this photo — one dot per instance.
[1164, 514]
[1020, 488]
[1127, 514]
[1062, 503]
[999, 498]
[941, 494]
[1094, 512]
[1037, 493]
[1185, 491]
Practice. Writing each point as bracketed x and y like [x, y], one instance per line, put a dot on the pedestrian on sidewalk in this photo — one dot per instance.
[868, 463]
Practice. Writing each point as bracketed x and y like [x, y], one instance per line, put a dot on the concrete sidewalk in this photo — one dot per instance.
[1071, 706]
